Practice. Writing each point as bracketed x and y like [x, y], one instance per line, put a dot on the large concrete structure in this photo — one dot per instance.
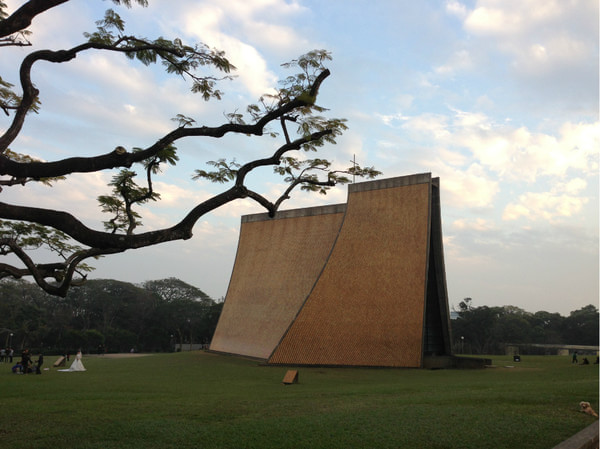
[360, 284]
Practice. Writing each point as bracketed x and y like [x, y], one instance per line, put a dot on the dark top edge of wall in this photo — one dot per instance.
[295, 213]
[389, 183]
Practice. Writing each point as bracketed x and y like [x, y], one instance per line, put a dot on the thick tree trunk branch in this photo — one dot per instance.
[30, 93]
[71, 226]
[38, 170]
[68, 224]
[99, 243]
[22, 17]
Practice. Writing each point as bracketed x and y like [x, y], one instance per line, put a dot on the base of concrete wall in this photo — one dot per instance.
[443, 362]
[586, 439]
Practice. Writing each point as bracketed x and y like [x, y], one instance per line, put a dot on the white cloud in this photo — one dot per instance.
[456, 8]
[477, 224]
[572, 187]
[173, 196]
[390, 119]
[434, 125]
[513, 153]
[510, 17]
[560, 202]
[262, 22]
[543, 56]
[537, 35]
[468, 188]
[251, 66]
[258, 24]
[525, 155]
[460, 60]
[476, 158]
[491, 18]
[536, 59]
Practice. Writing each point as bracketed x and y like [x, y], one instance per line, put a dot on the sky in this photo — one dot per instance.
[497, 98]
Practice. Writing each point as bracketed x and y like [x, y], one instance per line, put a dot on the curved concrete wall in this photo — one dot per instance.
[361, 284]
[277, 263]
[367, 307]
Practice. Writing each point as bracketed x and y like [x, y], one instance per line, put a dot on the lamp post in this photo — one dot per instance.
[462, 344]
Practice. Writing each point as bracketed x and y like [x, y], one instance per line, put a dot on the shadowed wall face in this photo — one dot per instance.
[276, 266]
[367, 306]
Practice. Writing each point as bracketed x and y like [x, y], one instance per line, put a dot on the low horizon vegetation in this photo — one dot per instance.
[200, 399]
[488, 330]
[155, 315]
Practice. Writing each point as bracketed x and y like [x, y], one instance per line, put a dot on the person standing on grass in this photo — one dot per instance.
[574, 357]
[11, 353]
[77, 365]
[25, 360]
[40, 362]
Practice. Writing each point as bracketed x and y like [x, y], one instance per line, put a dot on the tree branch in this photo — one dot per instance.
[71, 226]
[30, 93]
[37, 170]
[22, 17]
[30, 223]
[275, 158]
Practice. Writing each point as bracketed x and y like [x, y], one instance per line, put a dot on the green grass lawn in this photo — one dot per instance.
[203, 400]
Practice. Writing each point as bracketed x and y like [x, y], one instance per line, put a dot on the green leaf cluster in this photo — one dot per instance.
[225, 171]
[166, 155]
[9, 100]
[33, 236]
[312, 127]
[125, 193]
[176, 57]
[306, 173]
[293, 104]
[127, 3]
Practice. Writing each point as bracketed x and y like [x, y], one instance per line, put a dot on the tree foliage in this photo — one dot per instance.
[487, 330]
[291, 105]
[118, 315]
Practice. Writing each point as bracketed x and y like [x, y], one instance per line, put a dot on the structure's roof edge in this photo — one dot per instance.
[388, 183]
[295, 213]
[400, 181]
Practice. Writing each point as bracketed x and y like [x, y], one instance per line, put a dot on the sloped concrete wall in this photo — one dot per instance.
[367, 307]
[277, 263]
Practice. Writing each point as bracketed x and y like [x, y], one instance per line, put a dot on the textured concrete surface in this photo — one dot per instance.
[367, 307]
[277, 263]
[360, 284]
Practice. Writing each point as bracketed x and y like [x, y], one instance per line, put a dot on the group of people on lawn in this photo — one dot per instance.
[26, 365]
[6, 355]
[585, 360]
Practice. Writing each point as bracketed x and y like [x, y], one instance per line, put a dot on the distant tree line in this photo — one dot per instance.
[106, 315]
[487, 330]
